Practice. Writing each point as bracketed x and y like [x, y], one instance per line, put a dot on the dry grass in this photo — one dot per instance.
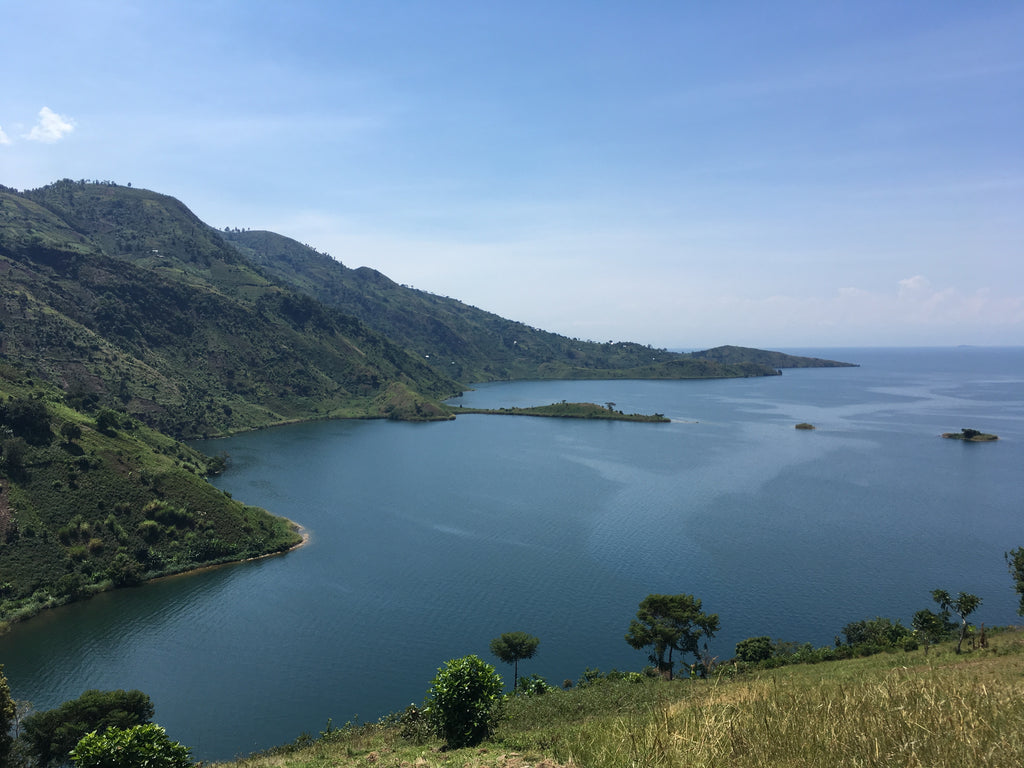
[904, 709]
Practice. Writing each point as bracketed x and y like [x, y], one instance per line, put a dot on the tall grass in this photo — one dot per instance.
[940, 710]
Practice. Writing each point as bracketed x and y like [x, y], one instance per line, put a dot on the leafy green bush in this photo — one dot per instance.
[135, 747]
[754, 649]
[51, 734]
[461, 702]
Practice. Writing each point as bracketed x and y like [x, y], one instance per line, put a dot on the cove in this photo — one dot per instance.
[428, 540]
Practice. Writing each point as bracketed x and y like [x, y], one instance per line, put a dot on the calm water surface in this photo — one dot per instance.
[428, 540]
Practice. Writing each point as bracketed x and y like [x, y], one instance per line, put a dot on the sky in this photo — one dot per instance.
[681, 174]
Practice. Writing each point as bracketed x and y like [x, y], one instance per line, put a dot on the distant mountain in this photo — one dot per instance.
[470, 344]
[730, 355]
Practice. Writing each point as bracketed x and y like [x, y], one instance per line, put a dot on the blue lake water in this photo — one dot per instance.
[428, 540]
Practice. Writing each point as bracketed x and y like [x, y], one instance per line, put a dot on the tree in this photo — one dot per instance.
[963, 606]
[1015, 564]
[50, 735]
[140, 745]
[70, 432]
[668, 623]
[462, 699]
[513, 646]
[934, 627]
[8, 714]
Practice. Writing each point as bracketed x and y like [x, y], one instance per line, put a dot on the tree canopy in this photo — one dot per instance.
[668, 623]
[513, 646]
[963, 605]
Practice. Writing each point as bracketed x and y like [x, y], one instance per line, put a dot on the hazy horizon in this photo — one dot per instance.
[783, 175]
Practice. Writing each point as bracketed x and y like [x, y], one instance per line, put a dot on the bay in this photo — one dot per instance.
[428, 540]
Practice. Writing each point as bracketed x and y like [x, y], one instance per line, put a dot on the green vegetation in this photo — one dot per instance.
[513, 646]
[805, 425]
[892, 708]
[8, 711]
[565, 410]
[140, 746]
[963, 605]
[672, 623]
[91, 502]
[49, 736]
[970, 436]
[462, 701]
[1015, 564]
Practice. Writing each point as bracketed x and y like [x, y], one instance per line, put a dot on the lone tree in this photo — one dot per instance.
[963, 606]
[667, 623]
[513, 646]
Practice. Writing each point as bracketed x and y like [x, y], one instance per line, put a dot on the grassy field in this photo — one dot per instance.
[892, 709]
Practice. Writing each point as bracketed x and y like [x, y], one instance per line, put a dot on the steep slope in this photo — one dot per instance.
[93, 502]
[122, 297]
[469, 344]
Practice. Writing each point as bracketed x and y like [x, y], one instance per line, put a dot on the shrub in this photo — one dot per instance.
[462, 699]
[141, 745]
[754, 649]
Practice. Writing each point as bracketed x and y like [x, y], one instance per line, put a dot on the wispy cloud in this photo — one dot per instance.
[51, 127]
[3, 137]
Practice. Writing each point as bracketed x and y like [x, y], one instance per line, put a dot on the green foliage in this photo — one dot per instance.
[879, 632]
[668, 623]
[1015, 564]
[533, 685]
[50, 735]
[8, 712]
[462, 701]
[754, 649]
[963, 605]
[513, 646]
[933, 627]
[140, 746]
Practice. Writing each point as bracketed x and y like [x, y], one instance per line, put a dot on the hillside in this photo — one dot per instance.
[938, 709]
[90, 502]
[123, 298]
[470, 344]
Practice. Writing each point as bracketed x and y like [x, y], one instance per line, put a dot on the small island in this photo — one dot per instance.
[566, 410]
[805, 425]
[970, 436]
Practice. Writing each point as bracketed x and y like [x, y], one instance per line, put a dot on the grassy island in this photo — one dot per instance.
[565, 410]
[970, 436]
[805, 425]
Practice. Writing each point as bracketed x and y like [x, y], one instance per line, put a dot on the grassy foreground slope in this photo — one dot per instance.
[893, 709]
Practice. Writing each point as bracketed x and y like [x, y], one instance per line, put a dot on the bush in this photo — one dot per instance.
[461, 702]
[754, 649]
[51, 734]
[141, 745]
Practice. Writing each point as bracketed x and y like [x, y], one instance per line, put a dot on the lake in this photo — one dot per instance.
[429, 540]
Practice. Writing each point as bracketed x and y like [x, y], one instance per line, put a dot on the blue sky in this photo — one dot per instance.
[681, 174]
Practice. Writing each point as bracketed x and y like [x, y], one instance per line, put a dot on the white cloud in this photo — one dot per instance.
[51, 127]
[3, 138]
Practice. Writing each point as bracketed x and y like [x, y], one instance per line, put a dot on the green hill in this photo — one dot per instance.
[90, 502]
[470, 344]
[123, 298]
